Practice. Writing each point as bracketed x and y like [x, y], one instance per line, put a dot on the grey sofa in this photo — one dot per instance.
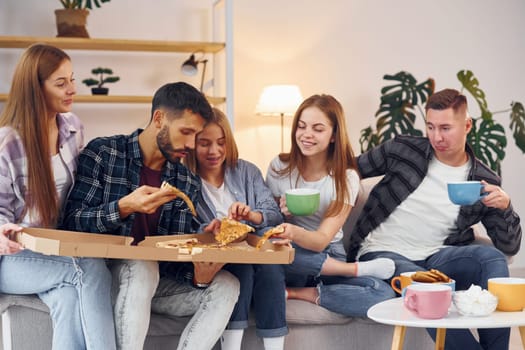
[26, 324]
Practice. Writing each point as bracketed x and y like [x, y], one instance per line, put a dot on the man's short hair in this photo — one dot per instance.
[180, 96]
[445, 99]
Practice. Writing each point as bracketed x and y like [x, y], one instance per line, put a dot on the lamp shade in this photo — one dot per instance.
[279, 100]
[189, 67]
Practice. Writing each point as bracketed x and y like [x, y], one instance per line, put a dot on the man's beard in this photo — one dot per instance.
[165, 147]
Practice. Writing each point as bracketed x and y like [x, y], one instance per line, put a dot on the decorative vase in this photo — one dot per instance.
[72, 23]
[99, 91]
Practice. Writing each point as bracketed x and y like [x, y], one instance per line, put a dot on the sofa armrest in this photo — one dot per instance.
[31, 301]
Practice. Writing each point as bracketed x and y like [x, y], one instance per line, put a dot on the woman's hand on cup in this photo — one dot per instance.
[284, 208]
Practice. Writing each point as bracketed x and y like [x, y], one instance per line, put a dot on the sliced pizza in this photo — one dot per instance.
[266, 236]
[181, 195]
[231, 230]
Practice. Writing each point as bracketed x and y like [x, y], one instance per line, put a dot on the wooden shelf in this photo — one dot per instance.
[112, 44]
[122, 99]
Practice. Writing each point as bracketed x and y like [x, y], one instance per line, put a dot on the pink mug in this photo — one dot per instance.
[430, 301]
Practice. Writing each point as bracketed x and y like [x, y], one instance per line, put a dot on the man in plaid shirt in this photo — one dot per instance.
[117, 190]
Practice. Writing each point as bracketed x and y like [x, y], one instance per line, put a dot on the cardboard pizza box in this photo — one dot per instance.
[239, 252]
[71, 243]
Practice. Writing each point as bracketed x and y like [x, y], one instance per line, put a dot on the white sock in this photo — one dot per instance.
[382, 268]
[274, 343]
[231, 339]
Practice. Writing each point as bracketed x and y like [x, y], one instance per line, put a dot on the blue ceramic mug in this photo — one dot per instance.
[465, 192]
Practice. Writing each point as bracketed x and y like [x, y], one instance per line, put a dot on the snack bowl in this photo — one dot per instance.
[475, 302]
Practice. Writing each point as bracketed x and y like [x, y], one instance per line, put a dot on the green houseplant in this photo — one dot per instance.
[104, 76]
[405, 98]
[72, 18]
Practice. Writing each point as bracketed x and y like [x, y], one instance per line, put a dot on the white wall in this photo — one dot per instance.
[345, 47]
[340, 47]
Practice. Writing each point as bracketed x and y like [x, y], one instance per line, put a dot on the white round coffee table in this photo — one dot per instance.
[393, 312]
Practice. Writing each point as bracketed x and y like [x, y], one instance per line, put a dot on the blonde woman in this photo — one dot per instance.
[235, 188]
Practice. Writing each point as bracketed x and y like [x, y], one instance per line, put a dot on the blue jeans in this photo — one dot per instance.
[350, 296]
[76, 290]
[265, 286]
[138, 291]
[471, 264]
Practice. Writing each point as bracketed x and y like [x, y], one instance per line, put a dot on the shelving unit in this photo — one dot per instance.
[115, 45]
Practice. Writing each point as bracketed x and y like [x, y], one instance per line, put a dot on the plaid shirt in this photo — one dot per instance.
[109, 168]
[13, 165]
[404, 163]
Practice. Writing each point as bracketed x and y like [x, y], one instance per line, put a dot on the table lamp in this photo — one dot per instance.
[279, 100]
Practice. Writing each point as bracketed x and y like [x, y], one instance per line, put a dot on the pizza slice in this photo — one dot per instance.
[271, 232]
[232, 230]
[181, 195]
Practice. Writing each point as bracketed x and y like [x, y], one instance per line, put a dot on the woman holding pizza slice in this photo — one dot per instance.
[321, 158]
[40, 141]
[235, 188]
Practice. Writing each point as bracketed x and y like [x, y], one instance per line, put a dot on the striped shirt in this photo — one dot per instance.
[403, 162]
[13, 165]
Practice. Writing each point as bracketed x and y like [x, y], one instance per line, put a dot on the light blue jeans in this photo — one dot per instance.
[76, 290]
[471, 264]
[138, 290]
[350, 296]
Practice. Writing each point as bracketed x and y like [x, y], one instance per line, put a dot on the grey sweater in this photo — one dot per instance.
[403, 162]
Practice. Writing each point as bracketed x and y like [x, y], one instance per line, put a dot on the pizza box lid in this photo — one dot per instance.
[81, 244]
[240, 252]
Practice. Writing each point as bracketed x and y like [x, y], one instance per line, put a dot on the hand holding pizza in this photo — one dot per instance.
[7, 245]
[145, 199]
[241, 211]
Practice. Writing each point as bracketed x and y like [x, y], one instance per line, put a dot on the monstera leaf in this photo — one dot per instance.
[368, 139]
[488, 142]
[396, 118]
[396, 113]
[517, 124]
[471, 83]
[407, 89]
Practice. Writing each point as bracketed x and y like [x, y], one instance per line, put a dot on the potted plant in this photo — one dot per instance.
[401, 101]
[71, 19]
[104, 76]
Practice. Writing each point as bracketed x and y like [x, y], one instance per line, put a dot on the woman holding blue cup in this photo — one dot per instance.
[322, 161]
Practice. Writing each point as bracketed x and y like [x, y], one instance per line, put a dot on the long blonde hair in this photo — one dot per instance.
[231, 150]
[340, 154]
[26, 112]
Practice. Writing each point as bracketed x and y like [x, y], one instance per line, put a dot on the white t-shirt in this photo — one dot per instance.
[63, 182]
[221, 198]
[417, 228]
[326, 187]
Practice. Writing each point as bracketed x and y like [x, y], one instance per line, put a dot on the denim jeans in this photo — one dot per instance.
[264, 285]
[471, 264]
[76, 290]
[350, 296]
[138, 291]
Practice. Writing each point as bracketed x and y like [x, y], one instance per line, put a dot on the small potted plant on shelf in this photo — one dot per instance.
[104, 76]
[71, 19]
